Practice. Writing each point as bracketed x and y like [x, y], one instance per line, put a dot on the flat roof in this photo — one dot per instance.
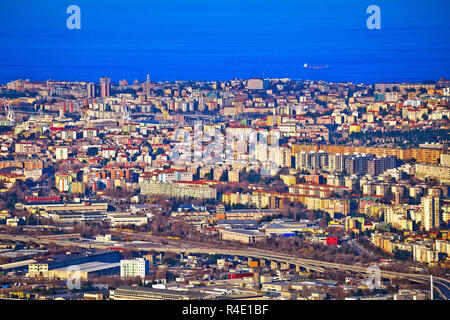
[91, 266]
[77, 212]
[127, 217]
[186, 293]
[20, 253]
[247, 232]
[74, 256]
[237, 221]
[65, 204]
[16, 264]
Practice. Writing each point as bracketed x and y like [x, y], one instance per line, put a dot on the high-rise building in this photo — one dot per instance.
[105, 85]
[147, 85]
[445, 160]
[62, 153]
[91, 90]
[358, 164]
[233, 175]
[430, 212]
[134, 268]
[336, 162]
[284, 157]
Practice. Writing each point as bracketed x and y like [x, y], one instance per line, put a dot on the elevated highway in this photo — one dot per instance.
[265, 256]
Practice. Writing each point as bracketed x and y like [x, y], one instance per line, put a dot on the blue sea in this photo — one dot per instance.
[222, 40]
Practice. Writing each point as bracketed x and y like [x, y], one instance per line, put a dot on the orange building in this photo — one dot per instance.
[27, 164]
[420, 154]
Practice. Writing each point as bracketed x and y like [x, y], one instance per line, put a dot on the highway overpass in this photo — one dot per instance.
[265, 256]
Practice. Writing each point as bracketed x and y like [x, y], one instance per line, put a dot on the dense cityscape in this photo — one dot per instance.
[260, 189]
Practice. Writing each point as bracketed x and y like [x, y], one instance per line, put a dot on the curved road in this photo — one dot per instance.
[441, 285]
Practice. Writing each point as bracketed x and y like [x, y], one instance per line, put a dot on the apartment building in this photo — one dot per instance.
[431, 217]
[138, 267]
[188, 189]
[433, 171]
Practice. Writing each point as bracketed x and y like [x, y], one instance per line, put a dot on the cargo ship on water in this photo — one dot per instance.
[315, 67]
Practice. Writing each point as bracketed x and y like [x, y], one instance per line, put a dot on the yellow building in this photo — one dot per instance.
[423, 253]
[63, 181]
[397, 216]
[233, 175]
[354, 128]
[77, 188]
[438, 172]
[354, 223]
[11, 177]
[374, 210]
[272, 199]
[289, 179]
[226, 197]
[383, 241]
[4, 215]
[420, 154]
[445, 211]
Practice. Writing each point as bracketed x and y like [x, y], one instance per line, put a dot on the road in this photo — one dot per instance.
[358, 248]
[442, 285]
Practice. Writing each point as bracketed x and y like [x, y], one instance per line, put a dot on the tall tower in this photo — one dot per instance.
[430, 212]
[91, 90]
[147, 85]
[105, 85]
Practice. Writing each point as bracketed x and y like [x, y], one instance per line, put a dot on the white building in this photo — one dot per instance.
[430, 212]
[134, 268]
[125, 219]
[256, 84]
[445, 160]
[62, 153]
